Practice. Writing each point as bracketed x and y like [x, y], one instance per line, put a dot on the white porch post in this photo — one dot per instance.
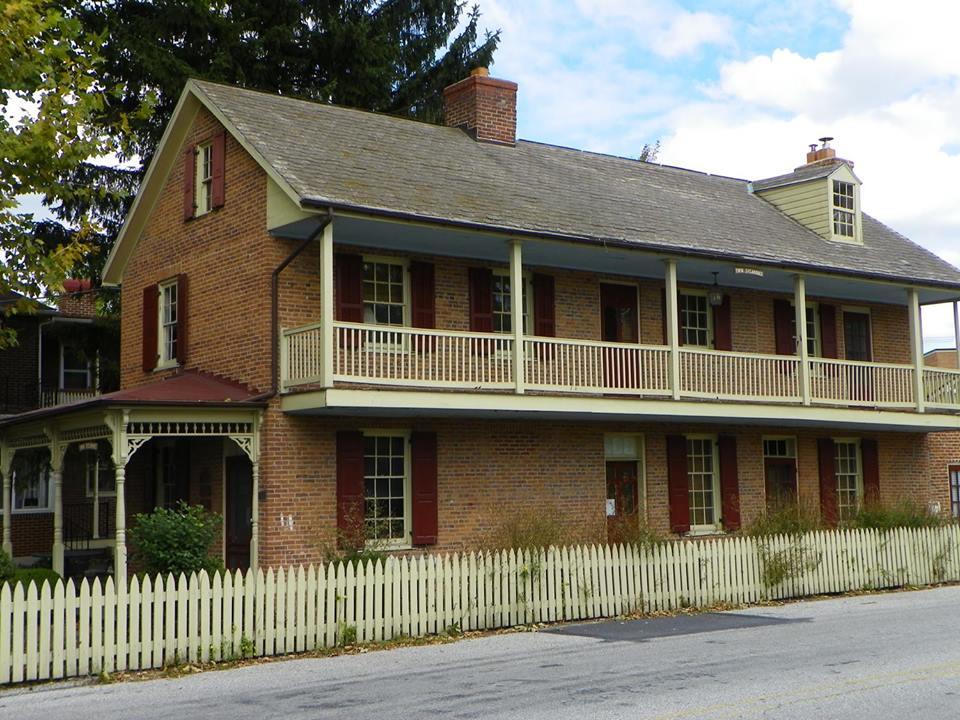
[255, 516]
[56, 475]
[916, 347]
[800, 310]
[673, 326]
[516, 313]
[120, 525]
[327, 335]
[956, 329]
[6, 462]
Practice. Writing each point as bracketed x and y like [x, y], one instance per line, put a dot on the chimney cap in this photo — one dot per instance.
[826, 141]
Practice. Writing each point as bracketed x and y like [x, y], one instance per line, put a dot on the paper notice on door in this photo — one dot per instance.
[611, 507]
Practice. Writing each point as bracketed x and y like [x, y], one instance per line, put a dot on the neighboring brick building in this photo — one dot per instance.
[321, 333]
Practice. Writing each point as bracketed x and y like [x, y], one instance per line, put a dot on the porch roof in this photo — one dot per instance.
[190, 388]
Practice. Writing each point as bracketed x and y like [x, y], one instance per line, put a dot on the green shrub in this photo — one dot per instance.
[7, 568]
[176, 540]
[791, 519]
[633, 532]
[905, 513]
[25, 576]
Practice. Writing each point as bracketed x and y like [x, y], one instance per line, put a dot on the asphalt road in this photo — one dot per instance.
[877, 657]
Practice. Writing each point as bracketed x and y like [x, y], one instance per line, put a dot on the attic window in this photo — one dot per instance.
[204, 181]
[843, 209]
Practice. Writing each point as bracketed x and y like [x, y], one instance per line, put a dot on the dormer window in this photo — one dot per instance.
[844, 209]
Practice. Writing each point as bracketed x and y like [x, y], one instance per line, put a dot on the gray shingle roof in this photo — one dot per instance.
[349, 158]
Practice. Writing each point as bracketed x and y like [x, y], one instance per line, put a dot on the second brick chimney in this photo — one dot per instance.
[484, 106]
[79, 299]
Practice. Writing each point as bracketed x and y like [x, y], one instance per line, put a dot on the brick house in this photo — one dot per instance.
[336, 319]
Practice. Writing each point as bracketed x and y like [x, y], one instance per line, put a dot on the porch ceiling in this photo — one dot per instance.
[603, 259]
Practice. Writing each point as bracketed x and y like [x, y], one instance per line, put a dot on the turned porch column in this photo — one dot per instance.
[57, 452]
[6, 463]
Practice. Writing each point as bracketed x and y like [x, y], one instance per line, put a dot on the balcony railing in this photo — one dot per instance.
[51, 397]
[402, 356]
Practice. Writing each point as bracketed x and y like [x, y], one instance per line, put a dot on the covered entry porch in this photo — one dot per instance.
[77, 474]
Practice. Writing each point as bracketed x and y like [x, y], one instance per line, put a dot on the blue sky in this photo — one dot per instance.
[741, 88]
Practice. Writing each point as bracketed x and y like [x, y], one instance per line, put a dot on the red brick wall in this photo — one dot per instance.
[942, 359]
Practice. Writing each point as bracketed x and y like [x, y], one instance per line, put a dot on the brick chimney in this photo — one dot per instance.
[483, 106]
[823, 155]
[79, 299]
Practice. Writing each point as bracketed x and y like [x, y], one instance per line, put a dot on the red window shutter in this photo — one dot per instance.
[218, 146]
[723, 326]
[481, 299]
[828, 331]
[544, 306]
[870, 457]
[828, 482]
[678, 484]
[189, 178]
[151, 298]
[349, 282]
[350, 520]
[729, 482]
[783, 322]
[422, 295]
[424, 467]
[182, 310]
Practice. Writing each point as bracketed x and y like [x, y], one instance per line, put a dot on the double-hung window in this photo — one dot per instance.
[100, 478]
[844, 209]
[204, 180]
[386, 488]
[849, 471]
[167, 327]
[75, 371]
[503, 299]
[384, 292]
[955, 491]
[696, 320]
[703, 482]
[30, 481]
[813, 329]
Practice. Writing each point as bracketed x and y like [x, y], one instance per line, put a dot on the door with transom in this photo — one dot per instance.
[619, 323]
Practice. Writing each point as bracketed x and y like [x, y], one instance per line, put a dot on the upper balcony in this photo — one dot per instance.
[666, 345]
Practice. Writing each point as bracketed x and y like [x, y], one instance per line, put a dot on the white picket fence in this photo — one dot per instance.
[71, 630]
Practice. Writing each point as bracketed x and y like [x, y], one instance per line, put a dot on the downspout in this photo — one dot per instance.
[275, 307]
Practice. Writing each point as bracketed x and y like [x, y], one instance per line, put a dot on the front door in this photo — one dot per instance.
[239, 513]
[619, 324]
[622, 506]
[781, 483]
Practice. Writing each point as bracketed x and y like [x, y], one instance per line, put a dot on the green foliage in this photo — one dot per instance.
[53, 119]
[176, 540]
[37, 576]
[346, 635]
[630, 531]
[791, 519]
[7, 568]
[906, 513]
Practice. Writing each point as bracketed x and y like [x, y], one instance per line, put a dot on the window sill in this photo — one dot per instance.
[166, 366]
[705, 531]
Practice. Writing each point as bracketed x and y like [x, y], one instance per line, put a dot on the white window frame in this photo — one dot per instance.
[842, 208]
[95, 467]
[203, 184]
[714, 527]
[639, 456]
[953, 480]
[527, 278]
[814, 345]
[689, 292]
[64, 371]
[407, 541]
[858, 503]
[404, 264]
[164, 361]
[39, 510]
